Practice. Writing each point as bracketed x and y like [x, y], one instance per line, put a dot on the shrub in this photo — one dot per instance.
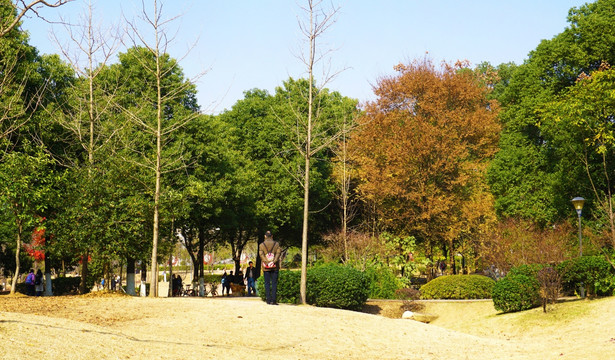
[337, 286]
[65, 285]
[382, 282]
[288, 287]
[516, 292]
[550, 284]
[458, 287]
[408, 294]
[594, 272]
[59, 286]
[530, 270]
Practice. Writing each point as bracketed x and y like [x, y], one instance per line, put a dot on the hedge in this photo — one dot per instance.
[458, 287]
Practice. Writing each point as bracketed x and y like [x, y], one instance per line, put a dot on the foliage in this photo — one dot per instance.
[408, 294]
[544, 160]
[444, 119]
[383, 284]
[582, 119]
[594, 272]
[363, 249]
[337, 286]
[529, 270]
[26, 192]
[400, 248]
[458, 287]
[550, 285]
[516, 292]
[288, 287]
[60, 286]
[519, 242]
[65, 285]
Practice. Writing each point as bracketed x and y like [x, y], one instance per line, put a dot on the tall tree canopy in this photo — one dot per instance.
[535, 173]
[423, 147]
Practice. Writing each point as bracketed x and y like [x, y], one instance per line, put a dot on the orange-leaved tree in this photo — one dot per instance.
[422, 149]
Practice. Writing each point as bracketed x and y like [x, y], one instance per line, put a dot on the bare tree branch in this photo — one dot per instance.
[22, 8]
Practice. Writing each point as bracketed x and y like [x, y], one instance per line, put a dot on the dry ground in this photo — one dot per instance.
[120, 327]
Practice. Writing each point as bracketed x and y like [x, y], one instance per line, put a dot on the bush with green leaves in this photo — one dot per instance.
[288, 287]
[382, 282]
[458, 287]
[59, 286]
[337, 286]
[516, 292]
[595, 272]
[66, 285]
[527, 269]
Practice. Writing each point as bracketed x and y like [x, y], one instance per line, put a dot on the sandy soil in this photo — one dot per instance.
[120, 327]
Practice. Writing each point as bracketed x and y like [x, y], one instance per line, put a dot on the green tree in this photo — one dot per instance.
[534, 175]
[580, 122]
[25, 191]
[18, 63]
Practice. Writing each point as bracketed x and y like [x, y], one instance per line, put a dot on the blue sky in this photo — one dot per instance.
[246, 44]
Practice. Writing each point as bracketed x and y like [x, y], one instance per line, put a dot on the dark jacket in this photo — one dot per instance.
[248, 271]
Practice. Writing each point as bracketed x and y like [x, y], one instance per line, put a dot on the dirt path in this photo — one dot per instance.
[232, 328]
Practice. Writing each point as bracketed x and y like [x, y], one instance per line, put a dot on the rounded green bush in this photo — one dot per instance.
[458, 287]
[594, 272]
[516, 292]
[382, 283]
[288, 287]
[337, 286]
[530, 270]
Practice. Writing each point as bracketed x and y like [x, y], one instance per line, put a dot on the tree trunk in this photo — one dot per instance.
[259, 240]
[170, 276]
[304, 234]
[48, 267]
[17, 251]
[84, 273]
[201, 265]
[143, 285]
[130, 276]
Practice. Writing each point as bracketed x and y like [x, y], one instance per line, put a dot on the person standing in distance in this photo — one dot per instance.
[250, 278]
[269, 252]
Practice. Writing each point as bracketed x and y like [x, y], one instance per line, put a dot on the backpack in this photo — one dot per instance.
[270, 256]
[38, 279]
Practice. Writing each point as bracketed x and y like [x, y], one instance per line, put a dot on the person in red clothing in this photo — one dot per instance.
[269, 252]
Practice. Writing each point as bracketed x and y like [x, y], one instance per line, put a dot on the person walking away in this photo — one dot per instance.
[269, 252]
[180, 285]
[38, 283]
[30, 283]
[229, 279]
[224, 281]
[250, 278]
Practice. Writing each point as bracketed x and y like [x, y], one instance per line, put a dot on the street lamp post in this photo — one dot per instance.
[578, 205]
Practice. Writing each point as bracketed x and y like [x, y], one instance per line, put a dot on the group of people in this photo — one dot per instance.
[177, 283]
[269, 252]
[35, 284]
[248, 279]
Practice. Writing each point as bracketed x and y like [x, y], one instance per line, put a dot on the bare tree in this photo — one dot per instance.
[160, 127]
[344, 175]
[88, 51]
[317, 21]
[22, 7]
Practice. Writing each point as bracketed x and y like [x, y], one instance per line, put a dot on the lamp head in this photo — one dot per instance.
[578, 204]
